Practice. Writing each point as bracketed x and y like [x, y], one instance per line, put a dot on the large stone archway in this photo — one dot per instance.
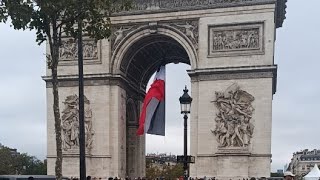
[140, 55]
[229, 45]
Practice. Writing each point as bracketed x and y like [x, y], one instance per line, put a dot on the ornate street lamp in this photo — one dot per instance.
[185, 103]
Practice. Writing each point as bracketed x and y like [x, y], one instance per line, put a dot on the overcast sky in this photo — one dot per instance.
[295, 106]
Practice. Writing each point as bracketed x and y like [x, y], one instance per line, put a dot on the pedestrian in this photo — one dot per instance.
[288, 175]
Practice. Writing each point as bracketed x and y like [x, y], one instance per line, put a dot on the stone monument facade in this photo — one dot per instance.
[229, 45]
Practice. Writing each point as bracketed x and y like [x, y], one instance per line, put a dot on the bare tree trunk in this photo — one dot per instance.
[57, 124]
[55, 91]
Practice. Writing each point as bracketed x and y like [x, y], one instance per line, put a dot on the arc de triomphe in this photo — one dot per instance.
[229, 45]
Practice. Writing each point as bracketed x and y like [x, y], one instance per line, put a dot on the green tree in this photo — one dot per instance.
[6, 162]
[152, 172]
[30, 165]
[175, 172]
[162, 170]
[51, 20]
[15, 163]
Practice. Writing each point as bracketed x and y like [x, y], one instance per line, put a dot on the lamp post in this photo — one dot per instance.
[82, 136]
[185, 104]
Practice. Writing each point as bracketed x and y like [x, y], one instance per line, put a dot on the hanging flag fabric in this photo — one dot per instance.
[152, 118]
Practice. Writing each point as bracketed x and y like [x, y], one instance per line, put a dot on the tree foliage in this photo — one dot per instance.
[61, 16]
[15, 163]
[154, 171]
[52, 20]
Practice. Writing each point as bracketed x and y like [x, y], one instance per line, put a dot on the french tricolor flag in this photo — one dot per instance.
[152, 118]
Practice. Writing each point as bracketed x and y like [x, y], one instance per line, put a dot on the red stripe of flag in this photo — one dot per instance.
[150, 110]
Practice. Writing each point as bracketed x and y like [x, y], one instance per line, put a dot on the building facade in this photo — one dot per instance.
[159, 160]
[13, 151]
[303, 161]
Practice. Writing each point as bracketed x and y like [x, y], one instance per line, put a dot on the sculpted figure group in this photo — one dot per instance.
[235, 39]
[70, 124]
[69, 50]
[233, 121]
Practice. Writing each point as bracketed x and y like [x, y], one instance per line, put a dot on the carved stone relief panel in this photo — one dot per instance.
[119, 32]
[70, 125]
[190, 28]
[240, 39]
[68, 51]
[143, 5]
[234, 127]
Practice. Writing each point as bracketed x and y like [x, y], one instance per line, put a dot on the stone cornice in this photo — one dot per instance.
[281, 12]
[96, 80]
[231, 73]
[164, 6]
[77, 155]
[236, 154]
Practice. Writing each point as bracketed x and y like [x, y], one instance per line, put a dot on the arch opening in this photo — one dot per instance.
[138, 60]
[147, 54]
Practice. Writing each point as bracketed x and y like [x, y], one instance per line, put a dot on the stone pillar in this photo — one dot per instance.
[97, 113]
[233, 87]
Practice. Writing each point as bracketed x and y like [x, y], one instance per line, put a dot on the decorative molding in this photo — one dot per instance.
[235, 154]
[76, 155]
[68, 52]
[234, 127]
[233, 73]
[143, 6]
[163, 6]
[233, 150]
[120, 32]
[70, 125]
[188, 27]
[231, 76]
[98, 80]
[236, 39]
[281, 12]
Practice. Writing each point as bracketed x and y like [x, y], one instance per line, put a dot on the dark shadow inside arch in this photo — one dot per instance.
[147, 54]
[138, 64]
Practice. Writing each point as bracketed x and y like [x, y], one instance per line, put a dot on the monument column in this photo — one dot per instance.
[233, 87]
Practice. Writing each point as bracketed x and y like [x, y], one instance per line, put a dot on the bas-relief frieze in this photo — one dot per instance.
[239, 39]
[234, 127]
[145, 5]
[235, 40]
[68, 51]
[70, 124]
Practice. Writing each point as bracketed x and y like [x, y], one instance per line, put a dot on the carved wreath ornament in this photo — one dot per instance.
[234, 126]
[70, 123]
